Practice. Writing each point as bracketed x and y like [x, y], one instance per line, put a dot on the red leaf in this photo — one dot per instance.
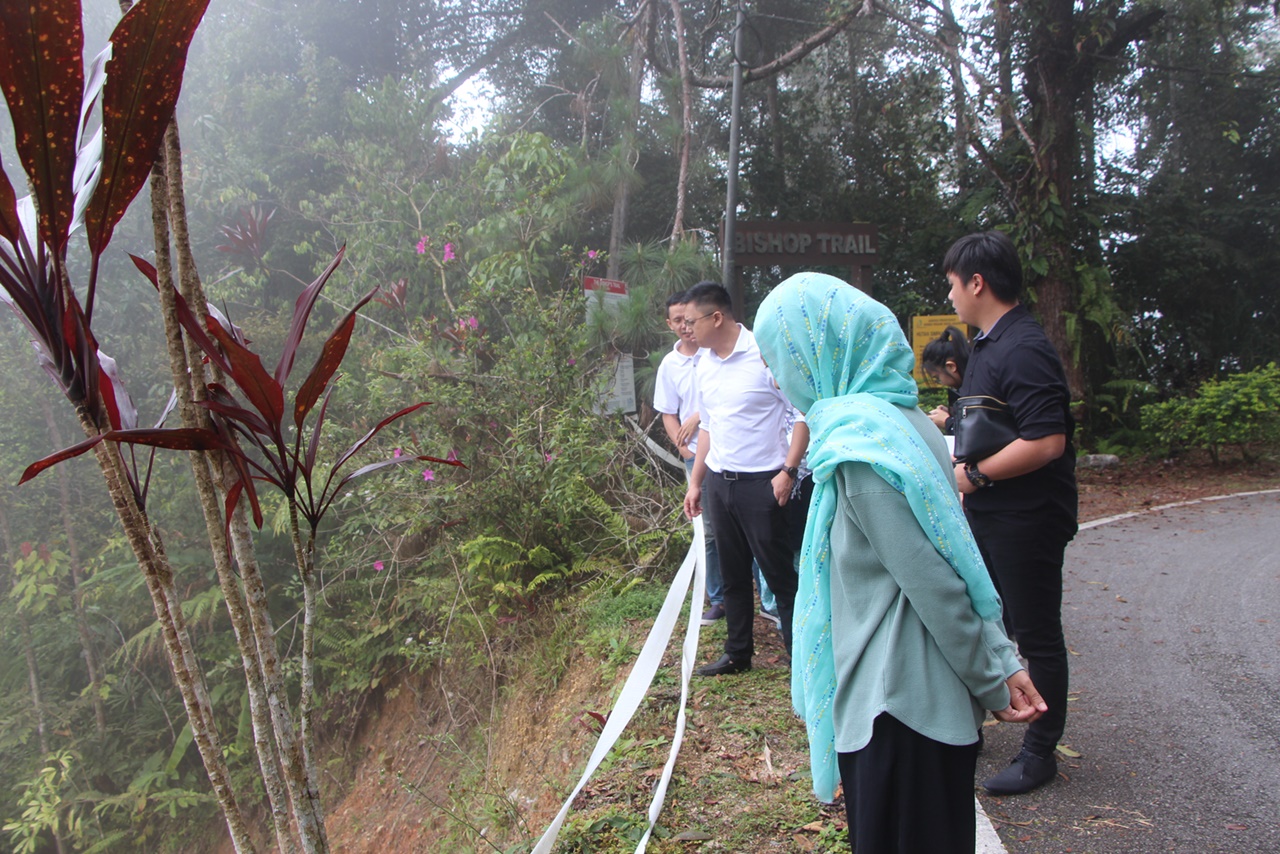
[226, 406]
[351, 452]
[55, 458]
[301, 311]
[42, 74]
[331, 355]
[10, 225]
[233, 497]
[263, 392]
[330, 490]
[171, 438]
[144, 77]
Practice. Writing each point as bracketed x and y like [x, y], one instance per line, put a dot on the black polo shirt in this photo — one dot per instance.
[1016, 363]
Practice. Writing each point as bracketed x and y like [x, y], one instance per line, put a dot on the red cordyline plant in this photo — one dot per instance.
[82, 178]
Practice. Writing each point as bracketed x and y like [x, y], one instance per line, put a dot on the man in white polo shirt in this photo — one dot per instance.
[674, 395]
[744, 470]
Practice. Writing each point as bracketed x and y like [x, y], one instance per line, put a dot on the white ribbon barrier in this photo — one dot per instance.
[640, 679]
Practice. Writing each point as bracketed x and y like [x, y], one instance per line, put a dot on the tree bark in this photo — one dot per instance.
[686, 125]
[622, 193]
[148, 549]
[275, 741]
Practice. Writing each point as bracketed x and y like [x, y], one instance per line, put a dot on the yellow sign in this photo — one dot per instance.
[924, 329]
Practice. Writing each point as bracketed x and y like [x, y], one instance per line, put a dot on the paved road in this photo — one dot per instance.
[1173, 621]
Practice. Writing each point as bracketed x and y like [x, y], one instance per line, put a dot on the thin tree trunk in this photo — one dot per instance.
[622, 194]
[305, 554]
[952, 36]
[148, 549]
[29, 653]
[274, 734]
[686, 125]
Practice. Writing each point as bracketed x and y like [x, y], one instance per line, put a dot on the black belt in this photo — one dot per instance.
[749, 475]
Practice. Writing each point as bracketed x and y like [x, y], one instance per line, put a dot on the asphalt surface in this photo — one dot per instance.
[1173, 622]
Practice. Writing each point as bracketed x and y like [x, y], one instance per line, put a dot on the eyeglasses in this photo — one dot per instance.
[689, 321]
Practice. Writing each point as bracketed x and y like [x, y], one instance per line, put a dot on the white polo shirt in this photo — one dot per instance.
[675, 388]
[742, 410]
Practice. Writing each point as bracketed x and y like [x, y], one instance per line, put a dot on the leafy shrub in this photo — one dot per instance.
[1241, 410]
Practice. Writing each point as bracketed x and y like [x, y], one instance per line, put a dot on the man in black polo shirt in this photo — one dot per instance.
[1021, 501]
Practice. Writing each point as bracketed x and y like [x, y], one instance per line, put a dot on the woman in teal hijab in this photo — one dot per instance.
[898, 650]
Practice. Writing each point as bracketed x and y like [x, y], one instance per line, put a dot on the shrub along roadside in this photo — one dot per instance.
[1242, 411]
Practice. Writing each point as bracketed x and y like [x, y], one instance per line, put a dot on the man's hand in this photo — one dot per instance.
[693, 501]
[782, 484]
[687, 430]
[1025, 702]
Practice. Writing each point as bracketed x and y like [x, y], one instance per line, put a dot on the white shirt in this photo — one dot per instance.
[675, 390]
[742, 410]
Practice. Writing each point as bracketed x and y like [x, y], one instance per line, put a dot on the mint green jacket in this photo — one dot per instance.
[906, 638]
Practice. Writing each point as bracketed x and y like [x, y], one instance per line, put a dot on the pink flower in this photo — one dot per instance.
[472, 322]
[428, 475]
[396, 453]
[422, 245]
[378, 566]
[548, 457]
[452, 456]
[573, 361]
[591, 253]
[448, 253]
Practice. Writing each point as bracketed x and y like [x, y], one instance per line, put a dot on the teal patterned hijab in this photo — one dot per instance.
[841, 358]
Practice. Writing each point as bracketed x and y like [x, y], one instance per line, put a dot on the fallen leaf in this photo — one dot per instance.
[1067, 751]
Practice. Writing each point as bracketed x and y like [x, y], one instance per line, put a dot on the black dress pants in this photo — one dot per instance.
[905, 793]
[1024, 553]
[749, 523]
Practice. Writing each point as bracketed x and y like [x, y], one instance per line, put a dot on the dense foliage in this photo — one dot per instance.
[1147, 212]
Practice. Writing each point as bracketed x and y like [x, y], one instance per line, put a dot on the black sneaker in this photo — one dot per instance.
[724, 666]
[712, 614]
[1027, 771]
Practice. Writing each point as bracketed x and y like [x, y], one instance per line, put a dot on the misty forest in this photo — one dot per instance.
[301, 405]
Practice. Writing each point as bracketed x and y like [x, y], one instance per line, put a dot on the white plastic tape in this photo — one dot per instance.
[640, 679]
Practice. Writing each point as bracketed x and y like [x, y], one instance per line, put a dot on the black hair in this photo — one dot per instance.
[679, 298]
[992, 255]
[711, 295]
[951, 345]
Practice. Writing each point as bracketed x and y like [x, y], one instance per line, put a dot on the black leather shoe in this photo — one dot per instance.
[724, 666]
[1027, 771]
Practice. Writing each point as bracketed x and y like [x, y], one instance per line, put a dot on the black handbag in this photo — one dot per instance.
[983, 425]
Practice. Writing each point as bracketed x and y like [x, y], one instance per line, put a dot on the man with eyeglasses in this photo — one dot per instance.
[744, 470]
[674, 395]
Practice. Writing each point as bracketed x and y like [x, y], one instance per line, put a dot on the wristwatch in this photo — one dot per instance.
[976, 477]
[793, 471]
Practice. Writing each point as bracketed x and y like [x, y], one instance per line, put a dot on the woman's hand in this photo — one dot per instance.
[1025, 702]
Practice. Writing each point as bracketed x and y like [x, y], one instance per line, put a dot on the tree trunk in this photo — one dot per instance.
[1045, 202]
[686, 125]
[148, 549]
[622, 194]
[275, 738]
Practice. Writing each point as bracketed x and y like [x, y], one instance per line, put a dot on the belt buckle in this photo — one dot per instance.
[730, 475]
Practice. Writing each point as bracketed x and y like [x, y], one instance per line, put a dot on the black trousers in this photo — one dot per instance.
[905, 793]
[749, 523]
[1024, 554]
